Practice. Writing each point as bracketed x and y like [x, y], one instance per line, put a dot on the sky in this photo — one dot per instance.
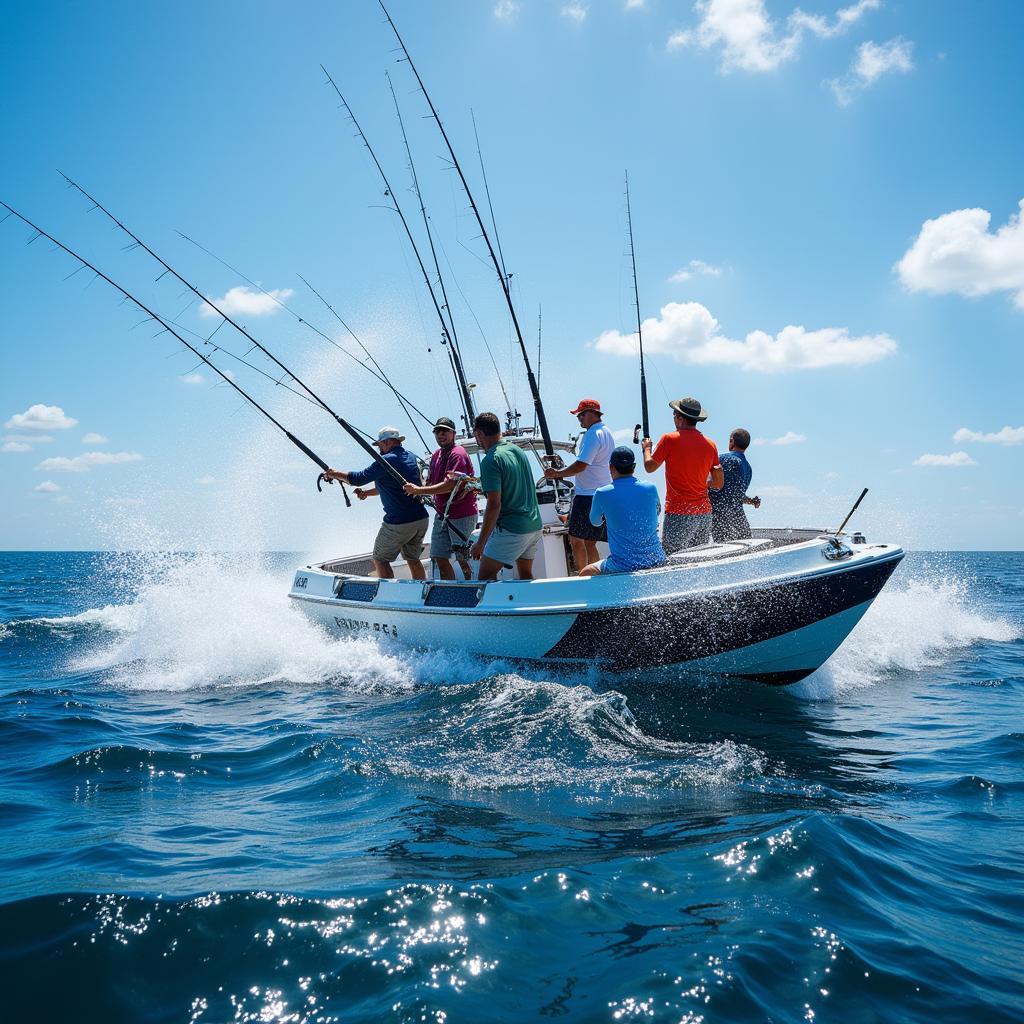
[826, 204]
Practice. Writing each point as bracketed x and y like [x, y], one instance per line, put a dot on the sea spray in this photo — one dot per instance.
[921, 617]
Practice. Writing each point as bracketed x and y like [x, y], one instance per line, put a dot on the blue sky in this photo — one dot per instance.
[825, 203]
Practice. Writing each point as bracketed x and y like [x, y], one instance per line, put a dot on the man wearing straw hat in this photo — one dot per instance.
[691, 466]
[405, 519]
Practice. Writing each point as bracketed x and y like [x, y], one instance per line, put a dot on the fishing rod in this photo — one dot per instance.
[645, 425]
[849, 514]
[389, 193]
[455, 347]
[404, 402]
[378, 373]
[498, 267]
[487, 193]
[305, 449]
[343, 423]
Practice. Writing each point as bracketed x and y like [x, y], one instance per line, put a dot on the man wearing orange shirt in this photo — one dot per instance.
[689, 459]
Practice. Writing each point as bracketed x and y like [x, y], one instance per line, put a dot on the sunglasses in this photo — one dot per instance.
[443, 430]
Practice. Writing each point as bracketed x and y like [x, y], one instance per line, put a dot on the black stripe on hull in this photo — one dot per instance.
[710, 624]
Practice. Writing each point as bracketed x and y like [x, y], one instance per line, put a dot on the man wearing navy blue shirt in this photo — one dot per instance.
[405, 518]
[728, 520]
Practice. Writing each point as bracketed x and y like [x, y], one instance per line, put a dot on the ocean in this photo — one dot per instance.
[211, 812]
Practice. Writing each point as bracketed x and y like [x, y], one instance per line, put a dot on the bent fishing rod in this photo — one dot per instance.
[378, 373]
[498, 267]
[389, 192]
[645, 425]
[304, 448]
[168, 269]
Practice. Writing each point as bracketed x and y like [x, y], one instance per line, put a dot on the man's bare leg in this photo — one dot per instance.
[579, 552]
[383, 570]
[489, 569]
[594, 569]
[444, 568]
[524, 567]
[467, 569]
[416, 570]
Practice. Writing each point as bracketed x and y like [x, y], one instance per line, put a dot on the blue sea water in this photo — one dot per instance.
[211, 812]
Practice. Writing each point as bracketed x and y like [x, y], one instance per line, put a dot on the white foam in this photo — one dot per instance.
[913, 624]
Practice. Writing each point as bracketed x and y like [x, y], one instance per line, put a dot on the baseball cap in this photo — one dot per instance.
[586, 405]
[623, 458]
[446, 422]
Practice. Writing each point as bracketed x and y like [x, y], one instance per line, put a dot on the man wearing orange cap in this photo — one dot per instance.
[591, 471]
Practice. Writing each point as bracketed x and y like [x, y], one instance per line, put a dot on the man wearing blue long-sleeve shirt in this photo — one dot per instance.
[405, 518]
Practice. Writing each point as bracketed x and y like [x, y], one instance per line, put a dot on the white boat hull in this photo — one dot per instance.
[772, 616]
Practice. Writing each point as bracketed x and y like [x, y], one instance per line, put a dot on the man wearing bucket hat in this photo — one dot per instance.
[405, 519]
[629, 509]
[689, 459]
[591, 472]
[455, 513]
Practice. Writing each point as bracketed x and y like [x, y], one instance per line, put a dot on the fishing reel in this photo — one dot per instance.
[323, 478]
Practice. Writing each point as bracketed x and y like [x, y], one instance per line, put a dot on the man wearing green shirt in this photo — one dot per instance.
[511, 528]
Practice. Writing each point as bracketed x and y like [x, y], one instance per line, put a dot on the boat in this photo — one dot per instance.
[770, 609]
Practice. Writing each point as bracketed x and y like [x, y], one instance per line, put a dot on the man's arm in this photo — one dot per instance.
[717, 478]
[560, 474]
[491, 513]
[441, 487]
[649, 461]
[363, 495]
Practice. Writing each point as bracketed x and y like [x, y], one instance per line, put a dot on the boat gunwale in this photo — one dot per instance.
[841, 568]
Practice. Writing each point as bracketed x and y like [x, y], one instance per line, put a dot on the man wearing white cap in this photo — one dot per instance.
[405, 519]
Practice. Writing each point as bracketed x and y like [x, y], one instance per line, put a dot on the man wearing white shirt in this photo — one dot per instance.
[591, 471]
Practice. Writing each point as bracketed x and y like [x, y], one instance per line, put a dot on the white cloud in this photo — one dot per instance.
[506, 10]
[693, 268]
[779, 491]
[246, 302]
[957, 252]
[576, 11]
[872, 61]
[747, 39]
[788, 438]
[688, 333]
[632, 5]
[1008, 435]
[16, 446]
[206, 480]
[40, 417]
[95, 439]
[192, 378]
[83, 463]
[953, 459]
[831, 475]
[47, 487]
[28, 439]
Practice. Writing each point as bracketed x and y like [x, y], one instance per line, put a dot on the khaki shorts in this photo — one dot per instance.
[507, 547]
[445, 542]
[406, 538]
